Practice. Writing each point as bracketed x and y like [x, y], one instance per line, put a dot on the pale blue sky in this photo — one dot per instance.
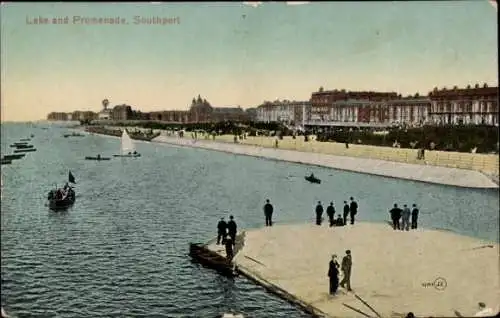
[234, 54]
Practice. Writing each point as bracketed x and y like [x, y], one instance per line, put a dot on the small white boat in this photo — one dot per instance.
[127, 146]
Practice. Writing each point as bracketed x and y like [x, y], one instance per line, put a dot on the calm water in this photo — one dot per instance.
[121, 250]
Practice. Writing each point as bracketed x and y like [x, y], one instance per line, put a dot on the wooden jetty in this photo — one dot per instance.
[394, 272]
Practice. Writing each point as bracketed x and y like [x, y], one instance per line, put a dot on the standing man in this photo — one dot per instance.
[395, 216]
[319, 213]
[346, 212]
[330, 211]
[229, 249]
[232, 229]
[268, 212]
[333, 274]
[406, 218]
[346, 270]
[414, 217]
[353, 209]
[221, 231]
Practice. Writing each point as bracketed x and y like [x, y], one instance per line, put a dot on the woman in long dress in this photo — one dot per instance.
[333, 274]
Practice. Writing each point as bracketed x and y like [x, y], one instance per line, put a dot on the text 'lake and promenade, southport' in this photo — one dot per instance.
[81, 20]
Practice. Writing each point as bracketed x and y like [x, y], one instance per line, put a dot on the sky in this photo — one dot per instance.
[237, 53]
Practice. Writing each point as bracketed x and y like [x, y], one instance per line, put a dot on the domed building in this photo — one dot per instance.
[200, 110]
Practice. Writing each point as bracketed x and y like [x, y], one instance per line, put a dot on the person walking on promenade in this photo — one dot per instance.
[268, 212]
[229, 248]
[353, 209]
[414, 217]
[395, 216]
[346, 270]
[232, 228]
[333, 274]
[319, 213]
[330, 211]
[221, 231]
[346, 212]
[405, 218]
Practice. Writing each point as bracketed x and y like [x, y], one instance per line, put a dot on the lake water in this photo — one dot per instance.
[121, 250]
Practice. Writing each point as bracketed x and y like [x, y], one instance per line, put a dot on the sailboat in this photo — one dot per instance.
[127, 146]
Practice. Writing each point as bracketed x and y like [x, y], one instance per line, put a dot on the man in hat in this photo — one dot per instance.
[330, 211]
[268, 213]
[346, 212]
[353, 209]
[232, 228]
[319, 213]
[346, 270]
[221, 231]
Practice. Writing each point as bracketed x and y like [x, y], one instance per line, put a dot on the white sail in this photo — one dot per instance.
[127, 143]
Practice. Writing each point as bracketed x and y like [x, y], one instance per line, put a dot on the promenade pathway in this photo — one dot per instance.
[485, 163]
[416, 172]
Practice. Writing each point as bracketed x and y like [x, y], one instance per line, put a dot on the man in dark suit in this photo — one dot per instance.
[346, 270]
[330, 211]
[221, 231]
[414, 217]
[353, 209]
[319, 213]
[268, 212]
[346, 212]
[395, 216]
[232, 228]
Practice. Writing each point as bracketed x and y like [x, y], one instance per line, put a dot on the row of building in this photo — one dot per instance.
[470, 105]
[200, 111]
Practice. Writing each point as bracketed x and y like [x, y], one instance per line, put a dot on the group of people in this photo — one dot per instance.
[226, 234]
[401, 217]
[350, 209]
[333, 272]
[61, 194]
